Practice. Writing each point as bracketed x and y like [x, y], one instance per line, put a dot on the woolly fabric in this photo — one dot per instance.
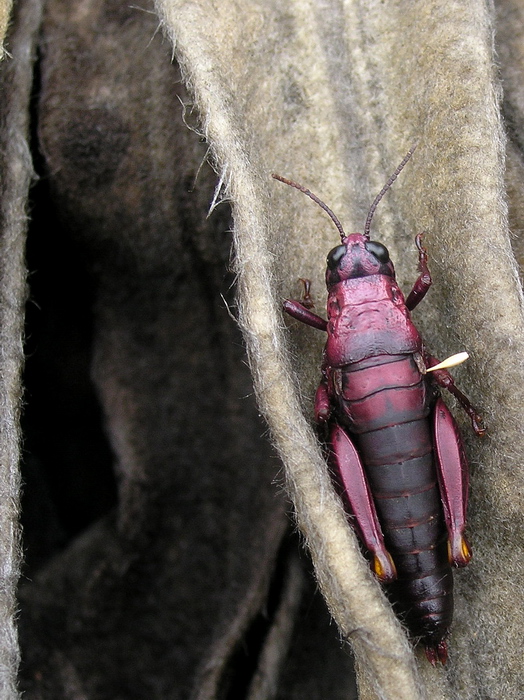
[16, 173]
[157, 599]
[5, 9]
[332, 94]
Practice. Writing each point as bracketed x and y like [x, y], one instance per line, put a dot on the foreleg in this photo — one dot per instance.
[301, 313]
[358, 499]
[453, 477]
[301, 309]
[423, 282]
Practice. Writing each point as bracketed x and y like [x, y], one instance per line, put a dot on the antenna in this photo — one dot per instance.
[315, 199]
[385, 189]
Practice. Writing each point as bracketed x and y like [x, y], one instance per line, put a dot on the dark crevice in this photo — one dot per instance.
[245, 659]
[67, 464]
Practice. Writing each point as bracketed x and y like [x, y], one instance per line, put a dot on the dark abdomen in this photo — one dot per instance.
[386, 408]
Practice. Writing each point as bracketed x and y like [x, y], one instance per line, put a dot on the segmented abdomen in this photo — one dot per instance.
[385, 405]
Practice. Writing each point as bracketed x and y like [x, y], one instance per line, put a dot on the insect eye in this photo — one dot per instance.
[335, 255]
[378, 250]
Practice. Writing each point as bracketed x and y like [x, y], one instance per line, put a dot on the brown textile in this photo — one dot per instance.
[157, 598]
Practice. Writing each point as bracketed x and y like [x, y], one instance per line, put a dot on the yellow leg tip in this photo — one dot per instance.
[384, 568]
[459, 551]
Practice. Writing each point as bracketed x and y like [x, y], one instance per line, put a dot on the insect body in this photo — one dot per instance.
[394, 446]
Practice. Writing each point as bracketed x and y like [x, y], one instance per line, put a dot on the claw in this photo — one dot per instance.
[478, 424]
[307, 301]
[418, 243]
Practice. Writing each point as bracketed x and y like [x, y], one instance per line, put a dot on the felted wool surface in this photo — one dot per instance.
[156, 598]
[16, 173]
[5, 9]
[331, 94]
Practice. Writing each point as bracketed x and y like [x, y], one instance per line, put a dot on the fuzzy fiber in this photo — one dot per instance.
[332, 94]
[5, 9]
[16, 75]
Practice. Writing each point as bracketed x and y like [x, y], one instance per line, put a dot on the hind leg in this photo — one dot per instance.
[358, 500]
[452, 470]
